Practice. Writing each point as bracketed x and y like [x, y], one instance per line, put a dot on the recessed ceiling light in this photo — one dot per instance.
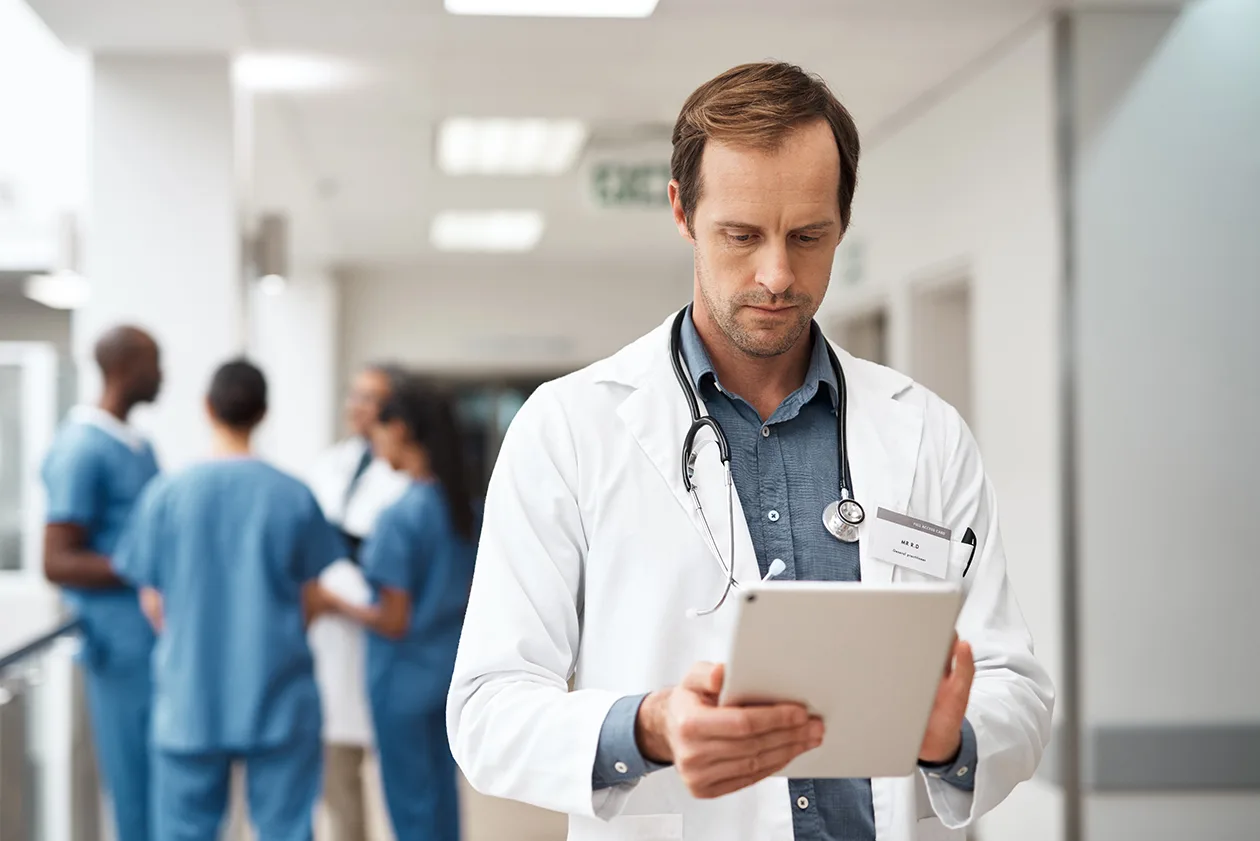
[486, 230]
[272, 284]
[469, 146]
[282, 73]
[60, 290]
[554, 8]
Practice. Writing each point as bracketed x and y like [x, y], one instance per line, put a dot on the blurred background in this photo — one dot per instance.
[1057, 227]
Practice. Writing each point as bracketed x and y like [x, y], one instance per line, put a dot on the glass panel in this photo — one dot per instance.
[11, 484]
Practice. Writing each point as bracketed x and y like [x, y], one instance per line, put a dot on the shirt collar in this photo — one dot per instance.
[118, 430]
[700, 366]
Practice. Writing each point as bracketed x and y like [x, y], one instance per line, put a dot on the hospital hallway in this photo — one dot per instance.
[440, 378]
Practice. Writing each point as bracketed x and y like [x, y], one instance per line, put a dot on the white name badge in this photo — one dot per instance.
[911, 543]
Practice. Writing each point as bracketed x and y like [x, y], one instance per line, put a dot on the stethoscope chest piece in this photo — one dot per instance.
[842, 519]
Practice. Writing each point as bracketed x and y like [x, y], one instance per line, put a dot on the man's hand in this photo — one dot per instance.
[151, 607]
[943, 739]
[316, 601]
[718, 750]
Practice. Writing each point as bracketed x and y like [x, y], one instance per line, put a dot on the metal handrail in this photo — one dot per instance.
[38, 643]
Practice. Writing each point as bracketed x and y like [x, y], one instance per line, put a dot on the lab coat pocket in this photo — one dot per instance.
[961, 562]
[645, 828]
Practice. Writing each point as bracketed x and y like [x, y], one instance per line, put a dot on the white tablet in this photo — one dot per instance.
[866, 658]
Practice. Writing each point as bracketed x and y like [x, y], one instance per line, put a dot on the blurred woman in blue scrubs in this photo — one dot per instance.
[226, 554]
[419, 561]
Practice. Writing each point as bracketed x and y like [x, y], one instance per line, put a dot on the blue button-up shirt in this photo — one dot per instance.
[786, 470]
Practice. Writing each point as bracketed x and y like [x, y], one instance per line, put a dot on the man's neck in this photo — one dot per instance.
[113, 402]
[765, 382]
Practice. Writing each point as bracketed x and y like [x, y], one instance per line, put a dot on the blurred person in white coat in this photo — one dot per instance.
[353, 487]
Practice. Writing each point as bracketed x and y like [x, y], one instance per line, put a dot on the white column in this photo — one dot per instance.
[293, 338]
[163, 245]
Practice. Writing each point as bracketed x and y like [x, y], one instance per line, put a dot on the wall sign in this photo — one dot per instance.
[619, 184]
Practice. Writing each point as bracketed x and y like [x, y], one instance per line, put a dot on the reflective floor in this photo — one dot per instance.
[484, 818]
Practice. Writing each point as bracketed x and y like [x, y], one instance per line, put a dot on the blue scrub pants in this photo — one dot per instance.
[119, 702]
[190, 791]
[417, 771]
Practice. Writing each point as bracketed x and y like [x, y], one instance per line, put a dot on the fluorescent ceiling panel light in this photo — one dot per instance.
[283, 73]
[468, 146]
[492, 231]
[60, 290]
[272, 284]
[554, 8]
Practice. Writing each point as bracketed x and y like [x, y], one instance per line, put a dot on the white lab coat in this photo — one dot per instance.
[591, 553]
[337, 644]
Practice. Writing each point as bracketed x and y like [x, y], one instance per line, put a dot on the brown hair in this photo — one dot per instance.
[757, 105]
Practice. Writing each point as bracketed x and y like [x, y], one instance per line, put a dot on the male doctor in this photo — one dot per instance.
[593, 560]
[353, 488]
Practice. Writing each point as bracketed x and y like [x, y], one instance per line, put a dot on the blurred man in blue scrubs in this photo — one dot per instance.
[224, 553]
[94, 473]
[419, 561]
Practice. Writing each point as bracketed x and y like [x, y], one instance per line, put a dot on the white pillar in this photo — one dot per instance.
[293, 337]
[163, 245]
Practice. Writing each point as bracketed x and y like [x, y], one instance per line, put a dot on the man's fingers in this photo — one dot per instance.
[964, 663]
[743, 722]
[735, 774]
[705, 678]
[711, 752]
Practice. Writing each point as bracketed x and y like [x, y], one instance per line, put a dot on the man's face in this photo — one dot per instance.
[367, 395]
[766, 228]
[145, 376]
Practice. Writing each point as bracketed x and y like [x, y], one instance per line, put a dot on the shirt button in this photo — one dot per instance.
[962, 772]
[765, 432]
[773, 516]
[621, 767]
[802, 802]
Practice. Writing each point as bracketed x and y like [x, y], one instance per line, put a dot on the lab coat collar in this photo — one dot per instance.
[884, 436]
[122, 432]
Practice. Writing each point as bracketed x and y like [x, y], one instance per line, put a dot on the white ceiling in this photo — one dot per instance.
[367, 151]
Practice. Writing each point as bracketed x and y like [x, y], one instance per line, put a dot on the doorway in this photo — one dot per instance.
[941, 347]
[864, 334]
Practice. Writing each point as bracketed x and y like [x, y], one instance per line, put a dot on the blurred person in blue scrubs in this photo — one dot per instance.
[419, 562]
[226, 554]
[353, 487]
[95, 472]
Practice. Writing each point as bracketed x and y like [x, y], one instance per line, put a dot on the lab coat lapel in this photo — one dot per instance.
[656, 415]
[884, 437]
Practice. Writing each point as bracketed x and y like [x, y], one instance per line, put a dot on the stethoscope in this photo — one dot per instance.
[841, 518]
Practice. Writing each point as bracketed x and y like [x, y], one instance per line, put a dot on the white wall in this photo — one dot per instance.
[506, 315]
[1167, 214]
[43, 137]
[968, 189]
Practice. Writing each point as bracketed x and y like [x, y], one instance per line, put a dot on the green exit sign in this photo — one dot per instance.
[630, 185]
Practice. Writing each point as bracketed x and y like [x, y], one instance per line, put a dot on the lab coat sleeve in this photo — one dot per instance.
[515, 729]
[1011, 698]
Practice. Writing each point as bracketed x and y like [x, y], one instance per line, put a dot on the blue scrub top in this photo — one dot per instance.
[415, 548]
[229, 545]
[93, 479]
